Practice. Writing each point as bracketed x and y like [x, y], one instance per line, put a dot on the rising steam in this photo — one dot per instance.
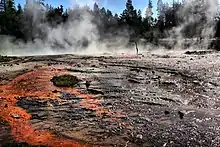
[197, 18]
[66, 38]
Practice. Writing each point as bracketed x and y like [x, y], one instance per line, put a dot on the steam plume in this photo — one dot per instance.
[66, 38]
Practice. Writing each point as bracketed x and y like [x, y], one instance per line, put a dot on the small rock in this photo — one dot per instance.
[148, 82]
[166, 112]
[88, 84]
[156, 77]
[181, 114]
[49, 64]
[196, 82]
[139, 136]
[93, 65]
[168, 83]
[133, 81]
[15, 116]
[165, 144]
[54, 91]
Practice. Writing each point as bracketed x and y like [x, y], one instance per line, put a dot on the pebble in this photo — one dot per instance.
[15, 116]
[181, 114]
[55, 91]
[139, 136]
[166, 112]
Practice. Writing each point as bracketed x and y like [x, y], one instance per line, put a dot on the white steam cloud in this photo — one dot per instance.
[199, 14]
[66, 38]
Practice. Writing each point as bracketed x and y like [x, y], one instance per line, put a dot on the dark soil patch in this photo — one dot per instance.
[198, 52]
[65, 81]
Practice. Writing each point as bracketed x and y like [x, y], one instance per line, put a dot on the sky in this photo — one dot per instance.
[116, 6]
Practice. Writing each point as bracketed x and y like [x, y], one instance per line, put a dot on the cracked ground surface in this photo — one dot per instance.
[151, 100]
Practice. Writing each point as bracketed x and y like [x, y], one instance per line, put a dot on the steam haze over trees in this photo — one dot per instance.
[25, 25]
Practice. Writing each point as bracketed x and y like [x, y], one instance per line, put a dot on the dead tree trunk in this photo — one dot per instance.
[135, 39]
[136, 46]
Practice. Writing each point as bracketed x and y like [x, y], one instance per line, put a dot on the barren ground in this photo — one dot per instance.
[151, 100]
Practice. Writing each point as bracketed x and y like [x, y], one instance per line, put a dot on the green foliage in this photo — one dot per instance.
[3, 122]
[150, 4]
[19, 10]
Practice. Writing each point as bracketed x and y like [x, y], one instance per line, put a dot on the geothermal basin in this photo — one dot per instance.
[131, 101]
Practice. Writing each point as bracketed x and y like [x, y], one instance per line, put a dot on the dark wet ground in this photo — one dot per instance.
[170, 100]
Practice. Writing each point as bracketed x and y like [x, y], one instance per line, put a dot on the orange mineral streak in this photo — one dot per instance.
[36, 84]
